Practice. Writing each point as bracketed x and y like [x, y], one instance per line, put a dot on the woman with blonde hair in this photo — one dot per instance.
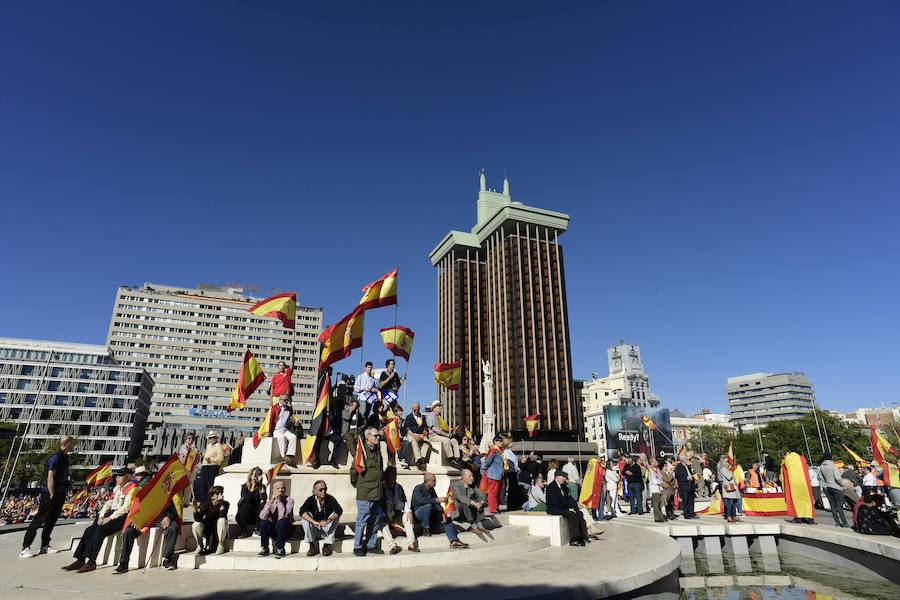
[253, 496]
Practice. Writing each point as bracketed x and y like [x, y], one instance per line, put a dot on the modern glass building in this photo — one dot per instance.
[75, 389]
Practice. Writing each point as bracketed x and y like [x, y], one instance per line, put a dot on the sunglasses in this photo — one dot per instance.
[324, 489]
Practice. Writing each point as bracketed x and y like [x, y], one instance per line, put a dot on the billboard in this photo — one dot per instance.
[626, 431]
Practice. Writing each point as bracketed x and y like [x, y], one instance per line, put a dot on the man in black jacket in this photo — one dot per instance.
[417, 436]
[560, 502]
[634, 475]
[210, 526]
[319, 517]
[687, 485]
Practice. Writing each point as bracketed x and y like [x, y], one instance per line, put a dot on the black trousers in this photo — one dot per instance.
[687, 503]
[170, 538]
[247, 513]
[48, 513]
[576, 524]
[92, 539]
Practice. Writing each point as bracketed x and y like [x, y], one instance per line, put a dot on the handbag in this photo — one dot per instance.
[729, 487]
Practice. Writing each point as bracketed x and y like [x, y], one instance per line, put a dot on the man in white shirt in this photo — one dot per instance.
[612, 488]
[364, 387]
[438, 434]
[287, 440]
[571, 470]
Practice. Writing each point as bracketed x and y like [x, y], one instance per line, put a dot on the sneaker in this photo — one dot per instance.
[170, 565]
[458, 544]
[220, 549]
[48, 549]
[120, 570]
[26, 553]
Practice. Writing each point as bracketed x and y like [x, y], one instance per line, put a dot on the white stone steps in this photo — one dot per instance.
[247, 561]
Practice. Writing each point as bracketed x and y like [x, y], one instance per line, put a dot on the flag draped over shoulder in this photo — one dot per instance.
[398, 340]
[884, 452]
[339, 340]
[860, 461]
[449, 505]
[250, 378]
[532, 424]
[797, 488]
[151, 500]
[648, 422]
[283, 307]
[447, 374]
[100, 475]
[380, 293]
[392, 432]
[318, 425]
[592, 485]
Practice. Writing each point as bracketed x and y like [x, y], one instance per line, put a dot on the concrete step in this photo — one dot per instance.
[247, 561]
[345, 543]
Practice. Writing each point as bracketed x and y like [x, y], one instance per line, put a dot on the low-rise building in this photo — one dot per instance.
[759, 398]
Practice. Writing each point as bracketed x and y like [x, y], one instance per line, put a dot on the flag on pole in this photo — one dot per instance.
[392, 432]
[268, 424]
[881, 448]
[272, 473]
[648, 422]
[532, 424]
[731, 461]
[191, 460]
[100, 475]
[318, 425]
[380, 293]
[339, 340]
[398, 340]
[449, 506]
[250, 378]
[860, 461]
[359, 461]
[283, 307]
[447, 374]
[151, 500]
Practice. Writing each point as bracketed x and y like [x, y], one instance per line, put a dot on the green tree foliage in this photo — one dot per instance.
[712, 439]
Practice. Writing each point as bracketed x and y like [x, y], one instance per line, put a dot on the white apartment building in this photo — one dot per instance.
[758, 398]
[192, 342]
[51, 389]
[627, 384]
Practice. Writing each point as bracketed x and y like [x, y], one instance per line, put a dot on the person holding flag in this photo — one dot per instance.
[365, 387]
[440, 434]
[389, 383]
[468, 502]
[493, 469]
[190, 458]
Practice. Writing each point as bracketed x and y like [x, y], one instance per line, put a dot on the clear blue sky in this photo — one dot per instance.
[732, 173]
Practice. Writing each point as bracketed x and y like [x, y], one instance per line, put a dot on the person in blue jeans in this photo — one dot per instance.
[428, 509]
[634, 475]
[367, 478]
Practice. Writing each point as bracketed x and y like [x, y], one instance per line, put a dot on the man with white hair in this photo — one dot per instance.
[440, 434]
[53, 495]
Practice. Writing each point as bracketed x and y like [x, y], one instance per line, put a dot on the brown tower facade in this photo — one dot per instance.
[501, 297]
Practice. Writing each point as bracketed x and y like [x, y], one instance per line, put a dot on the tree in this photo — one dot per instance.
[712, 439]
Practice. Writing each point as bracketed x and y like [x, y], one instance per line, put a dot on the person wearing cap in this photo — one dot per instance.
[109, 521]
[213, 456]
[210, 526]
[560, 502]
[440, 434]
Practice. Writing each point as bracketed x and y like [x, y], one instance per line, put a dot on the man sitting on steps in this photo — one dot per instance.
[469, 502]
[319, 517]
[210, 526]
[429, 512]
[276, 520]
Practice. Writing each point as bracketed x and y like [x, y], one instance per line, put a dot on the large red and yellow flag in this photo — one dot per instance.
[648, 422]
[250, 378]
[592, 486]
[151, 500]
[283, 307]
[380, 293]
[860, 461]
[318, 425]
[731, 461]
[191, 460]
[715, 506]
[359, 461]
[797, 487]
[398, 340]
[449, 505]
[339, 340]
[392, 432]
[100, 475]
[447, 374]
[532, 424]
[886, 455]
[268, 424]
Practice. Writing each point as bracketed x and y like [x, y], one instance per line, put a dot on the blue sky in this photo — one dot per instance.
[731, 172]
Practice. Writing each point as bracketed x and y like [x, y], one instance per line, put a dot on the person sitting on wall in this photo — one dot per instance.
[210, 526]
[319, 517]
[560, 502]
[253, 496]
[469, 502]
[276, 520]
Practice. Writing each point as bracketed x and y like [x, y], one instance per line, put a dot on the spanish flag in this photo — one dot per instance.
[860, 461]
[268, 424]
[318, 425]
[884, 453]
[648, 422]
[715, 506]
[532, 424]
[592, 486]
[250, 378]
[283, 307]
[359, 461]
[380, 293]
[100, 475]
[191, 460]
[151, 500]
[398, 340]
[392, 432]
[797, 488]
[447, 374]
[272, 473]
[731, 461]
[339, 340]
[449, 506]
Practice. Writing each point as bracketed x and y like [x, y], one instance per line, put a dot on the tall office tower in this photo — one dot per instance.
[57, 388]
[501, 296]
[192, 342]
[758, 398]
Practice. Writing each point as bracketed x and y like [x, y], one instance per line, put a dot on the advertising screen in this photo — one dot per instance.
[627, 431]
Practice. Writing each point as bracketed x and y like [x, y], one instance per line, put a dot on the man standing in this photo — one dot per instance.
[53, 495]
[634, 475]
[351, 423]
[416, 433]
[440, 434]
[669, 486]
[560, 502]
[368, 484]
[389, 383]
[276, 520]
[429, 512]
[834, 490]
[687, 485]
[320, 514]
[110, 520]
[281, 381]
[210, 526]
[364, 387]
[469, 502]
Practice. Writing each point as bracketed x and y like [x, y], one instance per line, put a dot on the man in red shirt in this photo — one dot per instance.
[281, 381]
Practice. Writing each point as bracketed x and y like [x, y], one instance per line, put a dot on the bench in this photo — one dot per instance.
[543, 525]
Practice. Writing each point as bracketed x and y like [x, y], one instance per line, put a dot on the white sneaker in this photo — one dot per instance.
[26, 553]
[48, 550]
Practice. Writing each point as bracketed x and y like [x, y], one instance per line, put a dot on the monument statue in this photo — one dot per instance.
[487, 417]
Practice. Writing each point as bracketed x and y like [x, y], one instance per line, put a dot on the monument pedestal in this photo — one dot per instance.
[299, 480]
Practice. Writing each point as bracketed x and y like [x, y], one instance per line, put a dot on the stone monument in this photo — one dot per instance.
[487, 418]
